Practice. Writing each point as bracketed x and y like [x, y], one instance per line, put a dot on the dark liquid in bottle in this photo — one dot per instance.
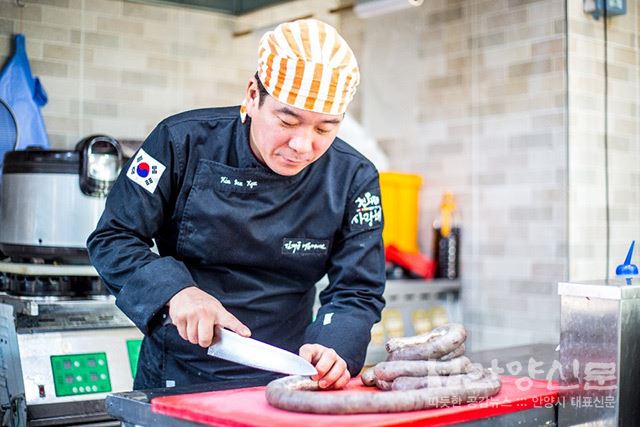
[446, 253]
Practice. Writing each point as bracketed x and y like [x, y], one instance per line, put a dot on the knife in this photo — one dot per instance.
[230, 346]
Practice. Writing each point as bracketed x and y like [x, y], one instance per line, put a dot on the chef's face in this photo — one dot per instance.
[284, 138]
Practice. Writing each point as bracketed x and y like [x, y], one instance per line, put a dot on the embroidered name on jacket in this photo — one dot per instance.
[294, 246]
[225, 180]
[146, 171]
[368, 210]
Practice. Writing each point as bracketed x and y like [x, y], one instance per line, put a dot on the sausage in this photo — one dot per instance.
[389, 371]
[301, 394]
[426, 371]
[435, 381]
[455, 353]
[384, 385]
[433, 345]
[368, 377]
[450, 328]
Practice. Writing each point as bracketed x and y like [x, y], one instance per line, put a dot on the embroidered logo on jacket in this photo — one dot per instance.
[368, 210]
[145, 171]
[295, 246]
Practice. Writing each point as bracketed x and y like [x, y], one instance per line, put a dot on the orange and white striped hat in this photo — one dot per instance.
[308, 65]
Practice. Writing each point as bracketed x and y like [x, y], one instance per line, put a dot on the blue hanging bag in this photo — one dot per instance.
[23, 96]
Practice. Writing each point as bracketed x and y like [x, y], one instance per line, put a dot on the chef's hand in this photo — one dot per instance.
[332, 370]
[195, 313]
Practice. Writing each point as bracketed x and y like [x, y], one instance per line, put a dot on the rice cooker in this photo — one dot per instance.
[52, 200]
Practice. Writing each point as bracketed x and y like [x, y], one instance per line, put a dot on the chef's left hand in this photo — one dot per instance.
[332, 370]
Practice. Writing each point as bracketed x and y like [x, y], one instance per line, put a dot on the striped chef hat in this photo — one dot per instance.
[308, 65]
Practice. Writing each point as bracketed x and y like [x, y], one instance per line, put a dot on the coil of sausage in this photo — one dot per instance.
[421, 372]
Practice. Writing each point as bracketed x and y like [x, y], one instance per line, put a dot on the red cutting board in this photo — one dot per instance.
[249, 407]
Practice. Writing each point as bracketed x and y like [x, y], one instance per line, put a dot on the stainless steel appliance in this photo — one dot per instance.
[599, 344]
[64, 345]
[52, 200]
[60, 355]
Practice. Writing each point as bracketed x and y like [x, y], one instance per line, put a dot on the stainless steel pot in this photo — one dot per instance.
[52, 200]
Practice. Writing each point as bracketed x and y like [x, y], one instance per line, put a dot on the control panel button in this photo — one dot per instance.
[75, 374]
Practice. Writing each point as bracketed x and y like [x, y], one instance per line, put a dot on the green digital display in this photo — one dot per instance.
[76, 374]
[133, 348]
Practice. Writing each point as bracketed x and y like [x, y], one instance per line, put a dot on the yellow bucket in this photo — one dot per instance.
[400, 193]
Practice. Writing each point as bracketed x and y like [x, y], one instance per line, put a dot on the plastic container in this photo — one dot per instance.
[400, 194]
[415, 263]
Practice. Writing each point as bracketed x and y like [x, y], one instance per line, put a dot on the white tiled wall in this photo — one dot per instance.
[587, 120]
[477, 106]
[481, 105]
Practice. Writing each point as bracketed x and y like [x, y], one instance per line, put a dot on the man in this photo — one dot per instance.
[249, 208]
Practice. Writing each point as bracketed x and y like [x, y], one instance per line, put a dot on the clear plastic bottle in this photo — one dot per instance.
[439, 316]
[377, 334]
[446, 242]
[393, 323]
[421, 321]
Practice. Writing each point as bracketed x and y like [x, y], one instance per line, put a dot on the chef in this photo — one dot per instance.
[250, 206]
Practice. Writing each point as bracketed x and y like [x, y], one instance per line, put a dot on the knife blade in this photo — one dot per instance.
[230, 346]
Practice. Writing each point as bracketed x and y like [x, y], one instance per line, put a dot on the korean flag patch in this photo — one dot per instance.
[145, 171]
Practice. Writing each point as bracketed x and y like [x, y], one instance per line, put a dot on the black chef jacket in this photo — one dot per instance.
[255, 240]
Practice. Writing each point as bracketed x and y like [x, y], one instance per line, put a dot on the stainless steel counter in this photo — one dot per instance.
[134, 408]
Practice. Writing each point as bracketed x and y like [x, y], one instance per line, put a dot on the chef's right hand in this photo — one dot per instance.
[195, 313]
